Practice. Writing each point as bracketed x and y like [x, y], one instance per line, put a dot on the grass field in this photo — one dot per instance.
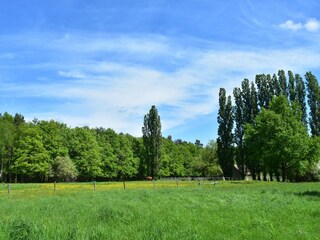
[229, 210]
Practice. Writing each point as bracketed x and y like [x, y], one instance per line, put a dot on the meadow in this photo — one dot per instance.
[227, 210]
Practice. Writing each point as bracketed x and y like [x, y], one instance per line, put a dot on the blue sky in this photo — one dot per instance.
[104, 63]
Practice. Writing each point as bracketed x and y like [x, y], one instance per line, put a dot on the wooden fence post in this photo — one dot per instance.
[198, 182]
[94, 185]
[54, 186]
[124, 185]
[177, 183]
[8, 188]
[154, 184]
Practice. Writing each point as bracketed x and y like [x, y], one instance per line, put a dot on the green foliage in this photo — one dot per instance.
[210, 163]
[314, 103]
[225, 136]
[152, 140]
[7, 134]
[31, 159]
[64, 169]
[278, 141]
[249, 101]
[301, 97]
[54, 137]
[84, 150]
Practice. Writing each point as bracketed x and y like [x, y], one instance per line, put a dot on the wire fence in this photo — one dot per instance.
[56, 187]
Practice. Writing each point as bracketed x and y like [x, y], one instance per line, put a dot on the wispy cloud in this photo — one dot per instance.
[311, 25]
[116, 91]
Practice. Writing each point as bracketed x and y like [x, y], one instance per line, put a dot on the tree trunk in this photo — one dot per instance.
[264, 176]
[283, 173]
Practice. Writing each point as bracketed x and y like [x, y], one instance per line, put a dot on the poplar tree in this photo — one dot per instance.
[276, 85]
[225, 136]
[239, 130]
[313, 102]
[254, 110]
[246, 98]
[292, 88]
[152, 140]
[283, 83]
[300, 90]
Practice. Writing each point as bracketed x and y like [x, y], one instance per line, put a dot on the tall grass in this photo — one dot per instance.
[238, 210]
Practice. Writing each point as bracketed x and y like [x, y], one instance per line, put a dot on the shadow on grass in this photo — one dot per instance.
[309, 194]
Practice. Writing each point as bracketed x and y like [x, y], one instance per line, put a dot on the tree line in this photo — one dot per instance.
[42, 151]
[266, 130]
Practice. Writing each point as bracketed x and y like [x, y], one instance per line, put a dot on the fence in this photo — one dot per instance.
[56, 187]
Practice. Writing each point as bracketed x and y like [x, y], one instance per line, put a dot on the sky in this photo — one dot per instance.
[104, 63]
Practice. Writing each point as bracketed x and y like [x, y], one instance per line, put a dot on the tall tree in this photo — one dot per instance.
[262, 90]
[239, 130]
[225, 136]
[270, 88]
[276, 85]
[7, 133]
[280, 139]
[300, 91]
[292, 88]
[313, 102]
[283, 83]
[152, 140]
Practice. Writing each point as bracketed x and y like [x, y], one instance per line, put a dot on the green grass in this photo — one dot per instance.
[238, 210]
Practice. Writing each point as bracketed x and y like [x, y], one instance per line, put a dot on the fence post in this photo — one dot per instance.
[54, 186]
[94, 185]
[198, 182]
[8, 188]
[154, 184]
[177, 182]
[124, 185]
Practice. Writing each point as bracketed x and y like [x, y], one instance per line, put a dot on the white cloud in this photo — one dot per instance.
[102, 91]
[311, 25]
[291, 25]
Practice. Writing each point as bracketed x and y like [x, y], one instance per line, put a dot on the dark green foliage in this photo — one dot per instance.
[292, 88]
[225, 136]
[283, 83]
[251, 99]
[239, 130]
[301, 97]
[276, 85]
[7, 135]
[314, 102]
[152, 140]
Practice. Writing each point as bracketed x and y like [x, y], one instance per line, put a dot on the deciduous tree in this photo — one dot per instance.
[152, 139]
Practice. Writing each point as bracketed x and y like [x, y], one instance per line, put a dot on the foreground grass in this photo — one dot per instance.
[238, 210]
